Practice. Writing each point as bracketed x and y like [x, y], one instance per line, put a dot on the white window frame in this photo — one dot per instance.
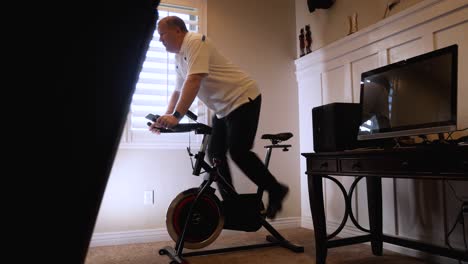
[143, 138]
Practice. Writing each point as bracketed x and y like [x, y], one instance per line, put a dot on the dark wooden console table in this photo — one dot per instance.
[437, 162]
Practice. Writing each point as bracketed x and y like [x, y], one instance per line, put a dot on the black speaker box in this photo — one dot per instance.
[335, 126]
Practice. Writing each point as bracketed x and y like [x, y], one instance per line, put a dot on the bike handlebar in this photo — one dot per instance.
[198, 128]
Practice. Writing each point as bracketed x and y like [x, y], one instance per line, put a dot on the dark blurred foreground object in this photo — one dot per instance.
[100, 52]
[323, 4]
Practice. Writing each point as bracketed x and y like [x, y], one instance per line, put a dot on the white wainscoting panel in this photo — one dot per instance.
[359, 66]
[422, 210]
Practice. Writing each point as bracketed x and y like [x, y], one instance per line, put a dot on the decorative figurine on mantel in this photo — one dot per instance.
[301, 43]
[390, 5]
[353, 26]
[308, 37]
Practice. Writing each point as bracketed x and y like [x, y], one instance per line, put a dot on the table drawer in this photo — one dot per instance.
[322, 165]
[378, 165]
[454, 165]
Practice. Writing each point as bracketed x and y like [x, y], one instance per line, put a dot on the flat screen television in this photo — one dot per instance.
[416, 96]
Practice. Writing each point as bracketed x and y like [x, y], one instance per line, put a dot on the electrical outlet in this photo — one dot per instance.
[148, 197]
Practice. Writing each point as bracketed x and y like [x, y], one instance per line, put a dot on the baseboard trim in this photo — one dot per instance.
[349, 231]
[287, 222]
[421, 255]
[306, 222]
[129, 237]
[161, 234]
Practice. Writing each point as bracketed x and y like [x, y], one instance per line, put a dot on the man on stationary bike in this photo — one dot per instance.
[227, 90]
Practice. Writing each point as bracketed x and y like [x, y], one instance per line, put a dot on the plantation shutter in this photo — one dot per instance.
[156, 84]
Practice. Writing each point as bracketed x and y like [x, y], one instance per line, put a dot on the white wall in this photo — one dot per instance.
[260, 37]
[422, 210]
[330, 25]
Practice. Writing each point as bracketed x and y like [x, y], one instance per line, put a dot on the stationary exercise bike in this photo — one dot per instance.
[196, 216]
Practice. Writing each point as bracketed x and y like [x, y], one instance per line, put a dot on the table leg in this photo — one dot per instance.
[374, 202]
[318, 217]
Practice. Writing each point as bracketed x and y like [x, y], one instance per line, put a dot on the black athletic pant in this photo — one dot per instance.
[236, 133]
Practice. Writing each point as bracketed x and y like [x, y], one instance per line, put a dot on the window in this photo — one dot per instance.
[157, 81]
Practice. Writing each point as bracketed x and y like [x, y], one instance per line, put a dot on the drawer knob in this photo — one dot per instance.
[324, 165]
[404, 164]
[356, 166]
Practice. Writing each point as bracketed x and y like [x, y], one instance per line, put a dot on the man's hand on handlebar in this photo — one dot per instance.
[164, 121]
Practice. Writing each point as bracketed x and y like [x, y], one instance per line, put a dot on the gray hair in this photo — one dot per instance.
[175, 21]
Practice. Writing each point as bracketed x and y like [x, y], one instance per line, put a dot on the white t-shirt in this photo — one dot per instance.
[225, 87]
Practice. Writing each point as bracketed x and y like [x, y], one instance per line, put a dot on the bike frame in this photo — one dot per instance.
[275, 239]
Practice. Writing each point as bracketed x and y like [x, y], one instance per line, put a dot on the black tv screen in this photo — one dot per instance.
[416, 96]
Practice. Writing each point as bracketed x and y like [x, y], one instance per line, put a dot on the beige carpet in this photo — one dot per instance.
[147, 253]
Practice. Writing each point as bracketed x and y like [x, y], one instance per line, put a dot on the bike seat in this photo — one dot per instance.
[278, 137]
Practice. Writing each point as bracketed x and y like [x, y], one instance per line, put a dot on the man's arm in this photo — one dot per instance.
[172, 102]
[186, 97]
[189, 92]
